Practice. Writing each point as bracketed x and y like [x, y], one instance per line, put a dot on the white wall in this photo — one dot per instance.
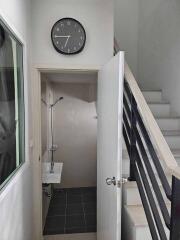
[126, 29]
[16, 197]
[159, 48]
[97, 19]
[75, 133]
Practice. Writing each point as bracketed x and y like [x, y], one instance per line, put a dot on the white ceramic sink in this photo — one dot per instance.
[54, 177]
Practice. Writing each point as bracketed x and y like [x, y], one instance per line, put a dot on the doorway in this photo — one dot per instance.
[69, 138]
[109, 147]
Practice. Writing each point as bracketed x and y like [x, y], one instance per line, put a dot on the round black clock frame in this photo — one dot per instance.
[62, 51]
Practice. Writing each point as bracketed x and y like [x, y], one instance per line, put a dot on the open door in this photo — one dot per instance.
[109, 163]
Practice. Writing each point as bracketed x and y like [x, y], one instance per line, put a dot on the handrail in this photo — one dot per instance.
[152, 126]
[139, 128]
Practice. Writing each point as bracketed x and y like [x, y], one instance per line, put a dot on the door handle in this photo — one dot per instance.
[111, 181]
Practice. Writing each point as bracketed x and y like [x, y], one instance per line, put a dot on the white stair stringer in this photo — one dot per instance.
[134, 222]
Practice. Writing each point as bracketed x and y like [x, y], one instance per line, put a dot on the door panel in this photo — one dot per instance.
[109, 163]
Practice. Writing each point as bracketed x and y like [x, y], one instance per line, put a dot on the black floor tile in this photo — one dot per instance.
[74, 209]
[75, 230]
[89, 197]
[90, 208]
[75, 221]
[59, 192]
[56, 222]
[91, 228]
[71, 191]
[89, 190]
[74, 198]
[57, 210]
[60, 200]
[53, 231]
[90, 219]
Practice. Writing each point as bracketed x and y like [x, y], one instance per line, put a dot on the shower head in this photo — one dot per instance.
[59, 99]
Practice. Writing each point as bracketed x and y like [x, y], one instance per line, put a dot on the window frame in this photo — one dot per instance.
[14, 35]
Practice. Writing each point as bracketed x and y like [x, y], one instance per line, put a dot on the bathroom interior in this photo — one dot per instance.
[69, 151]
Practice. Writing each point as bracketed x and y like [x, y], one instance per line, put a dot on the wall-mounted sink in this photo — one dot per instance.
[54, 177]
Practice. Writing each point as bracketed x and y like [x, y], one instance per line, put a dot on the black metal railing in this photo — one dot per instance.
[146, 170]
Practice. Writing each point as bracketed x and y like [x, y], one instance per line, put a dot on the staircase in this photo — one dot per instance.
[134, 222]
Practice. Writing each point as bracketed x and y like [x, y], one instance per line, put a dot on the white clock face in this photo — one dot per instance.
[68, 36]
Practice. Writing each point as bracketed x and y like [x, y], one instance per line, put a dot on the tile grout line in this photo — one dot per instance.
[84, 211]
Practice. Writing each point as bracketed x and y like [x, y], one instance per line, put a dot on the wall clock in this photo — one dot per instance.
[68, 36]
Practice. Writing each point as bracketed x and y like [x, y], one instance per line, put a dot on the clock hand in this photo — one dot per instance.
[67, 41]
[57, 36]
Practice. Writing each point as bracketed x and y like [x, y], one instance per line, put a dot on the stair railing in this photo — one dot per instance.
[150, 159]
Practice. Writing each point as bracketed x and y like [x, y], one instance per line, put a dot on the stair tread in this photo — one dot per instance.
[159, 103]
[175, 152]
[152, 91]
[171, 132]
[137, 214]
[133, 184]
[168, 118]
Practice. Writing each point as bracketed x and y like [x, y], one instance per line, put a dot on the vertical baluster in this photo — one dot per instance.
[175, 210]
[133, 139]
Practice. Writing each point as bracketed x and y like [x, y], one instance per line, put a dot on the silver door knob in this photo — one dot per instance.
[111, 181]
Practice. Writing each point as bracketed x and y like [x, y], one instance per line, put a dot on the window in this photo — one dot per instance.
[11, 105]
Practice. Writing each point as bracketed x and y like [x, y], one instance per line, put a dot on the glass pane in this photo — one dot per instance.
[11, 105]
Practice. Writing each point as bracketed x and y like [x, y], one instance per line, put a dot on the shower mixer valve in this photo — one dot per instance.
[53, 148]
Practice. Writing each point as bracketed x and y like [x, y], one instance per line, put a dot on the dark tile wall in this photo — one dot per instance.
[72, 210]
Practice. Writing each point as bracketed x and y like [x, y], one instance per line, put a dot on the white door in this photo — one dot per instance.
[109, 156]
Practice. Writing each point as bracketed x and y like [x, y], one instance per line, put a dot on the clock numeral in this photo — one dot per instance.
[62, 24]
[68, 23]
[57, 42]
[79, 30]
[57, 29]
[75, 48]
[68, 50]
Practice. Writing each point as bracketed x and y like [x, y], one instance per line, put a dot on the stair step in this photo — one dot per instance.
[135, 226]
[171, 123]
[172, 138]
[126, 161]
[131, 193]
[152, 96]
[160, 109]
